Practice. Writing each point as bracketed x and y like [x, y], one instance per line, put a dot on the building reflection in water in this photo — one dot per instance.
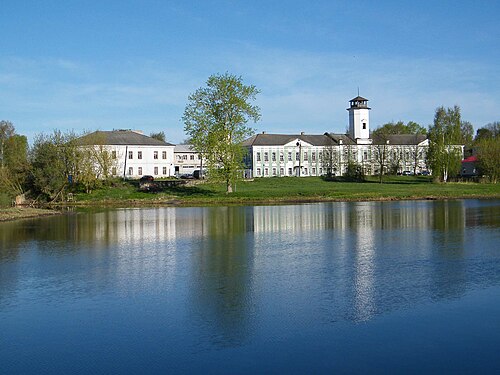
[355, 259]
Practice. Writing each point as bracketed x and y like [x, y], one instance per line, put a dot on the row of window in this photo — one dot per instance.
[139, 171]
[290, 154]
[185, 157]
[274, 172]
[139, 155]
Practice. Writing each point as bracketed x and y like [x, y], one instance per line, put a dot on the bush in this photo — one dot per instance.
[354, 172]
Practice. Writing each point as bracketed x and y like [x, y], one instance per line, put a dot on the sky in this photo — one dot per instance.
[103, 65]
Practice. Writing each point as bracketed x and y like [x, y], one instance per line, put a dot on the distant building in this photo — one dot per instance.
[278, 155]
[133, 153]
[187, 160]
[469, 167]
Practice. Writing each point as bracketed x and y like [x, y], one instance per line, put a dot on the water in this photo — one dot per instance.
[381, 287]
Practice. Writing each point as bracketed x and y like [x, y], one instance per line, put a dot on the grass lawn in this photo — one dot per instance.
[291, 189]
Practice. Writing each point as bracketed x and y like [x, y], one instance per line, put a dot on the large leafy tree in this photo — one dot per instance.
[215, 120]
[54, 158]
[446, 138]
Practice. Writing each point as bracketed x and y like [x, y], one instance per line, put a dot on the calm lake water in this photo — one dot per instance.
[408, 287]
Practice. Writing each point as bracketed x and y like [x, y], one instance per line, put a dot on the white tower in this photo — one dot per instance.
[359, 120]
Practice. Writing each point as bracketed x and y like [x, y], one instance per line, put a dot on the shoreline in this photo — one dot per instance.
[17, 213]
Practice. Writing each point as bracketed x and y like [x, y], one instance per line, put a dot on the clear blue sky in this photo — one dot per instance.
[88, 65]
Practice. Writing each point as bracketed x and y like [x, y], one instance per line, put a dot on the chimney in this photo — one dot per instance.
[302, 133]
[263, 132]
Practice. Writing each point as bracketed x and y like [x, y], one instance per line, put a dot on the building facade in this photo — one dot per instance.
[187, 160]
[279, 155]
[133, 154]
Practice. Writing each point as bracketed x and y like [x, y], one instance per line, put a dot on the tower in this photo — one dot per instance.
[359, 120]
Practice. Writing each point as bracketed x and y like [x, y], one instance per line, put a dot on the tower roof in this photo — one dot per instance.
[359, 99]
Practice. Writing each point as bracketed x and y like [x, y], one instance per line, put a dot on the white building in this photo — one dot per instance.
[133, 153]
[187, 160]
[315, 155]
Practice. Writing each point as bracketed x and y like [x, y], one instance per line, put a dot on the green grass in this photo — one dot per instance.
[291, 189]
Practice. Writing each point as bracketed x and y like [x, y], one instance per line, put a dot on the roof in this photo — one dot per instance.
[121, 137]
[184, 148]
[470, 159]
[358, 99]
[399, 139]
[264, 139]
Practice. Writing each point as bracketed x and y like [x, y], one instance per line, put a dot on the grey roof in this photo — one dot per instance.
[358, 99]
[121, 137]
[184, 148]
[346, 140]
[265, 139]
[399, 139]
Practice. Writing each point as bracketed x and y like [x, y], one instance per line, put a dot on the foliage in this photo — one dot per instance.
[354, 172]
[159, 136]
[6, 131]
[488, 155]
[445, 153]
[215, 120]
[491, 130]
[14, 164]
[53, 158]
[400, 128]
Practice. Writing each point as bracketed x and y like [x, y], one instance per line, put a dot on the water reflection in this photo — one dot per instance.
[233, 265]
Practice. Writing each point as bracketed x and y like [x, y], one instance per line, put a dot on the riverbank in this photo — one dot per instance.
[14, 213]
[287, 190]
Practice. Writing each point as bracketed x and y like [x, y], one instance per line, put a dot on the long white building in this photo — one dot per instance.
[279, 155]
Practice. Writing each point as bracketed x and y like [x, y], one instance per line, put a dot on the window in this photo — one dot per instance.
[258, 171]
[289, 156]
[282, 171]
[156, 170]
[191, 157]
[305, 156]
[320, 171]
[130, 171]
[365, 155]
[364, 125]
[139, 171]
[297, 156]
[199, 157]
[258, 156]
[313, 171]
[113, 171]
[290, 171]
[274, 171]
[164, 155]
[273, 156]
[130, 154]
[266, 172]
[305, 171]
[184, 157]
[313, 156]
[266, 156]
[139, 156]
[113, 154]
[155, 154]
[281, 157]
[164, 170]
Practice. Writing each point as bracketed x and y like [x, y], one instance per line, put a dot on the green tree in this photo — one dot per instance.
[446, 140]
[6, 131]
[399, 128]
[159, 136]
[487, 145]
[53, 159]
[215, 120]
